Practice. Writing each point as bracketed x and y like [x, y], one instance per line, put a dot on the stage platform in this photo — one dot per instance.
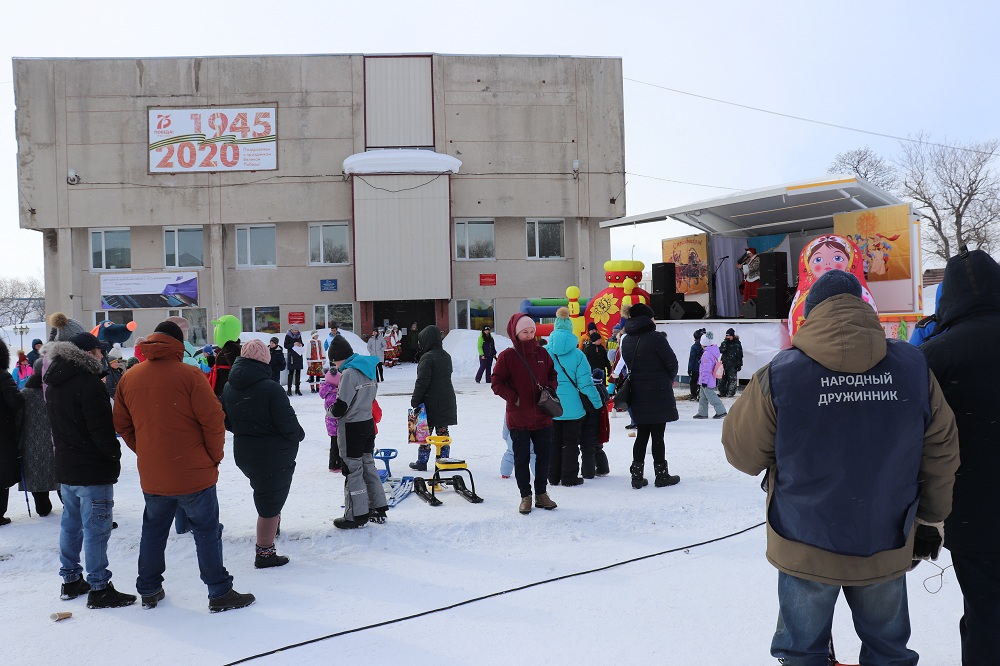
[761, 339]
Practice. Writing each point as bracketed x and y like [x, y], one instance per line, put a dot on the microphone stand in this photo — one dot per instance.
[713, 310]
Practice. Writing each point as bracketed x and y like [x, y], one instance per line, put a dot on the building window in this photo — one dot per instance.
[183, 247]
[115, 316]
[341, 313]
[261, 319]
[198, 328]
[545, 239]
[328, 243]
[474, 240]
[474, 314]
[110, 249]
[255, 246]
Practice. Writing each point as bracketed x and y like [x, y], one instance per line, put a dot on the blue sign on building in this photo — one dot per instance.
[328, 285]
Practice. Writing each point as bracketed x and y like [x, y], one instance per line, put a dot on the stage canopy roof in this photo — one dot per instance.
[806, 206]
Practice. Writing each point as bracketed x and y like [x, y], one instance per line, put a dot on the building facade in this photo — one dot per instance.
[309, 189]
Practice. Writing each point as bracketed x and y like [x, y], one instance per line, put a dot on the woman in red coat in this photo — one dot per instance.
[516, 377]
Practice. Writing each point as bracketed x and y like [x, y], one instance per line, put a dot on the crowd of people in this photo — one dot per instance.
[916, 474]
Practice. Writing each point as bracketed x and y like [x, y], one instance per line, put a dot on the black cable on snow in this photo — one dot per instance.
[490, 596]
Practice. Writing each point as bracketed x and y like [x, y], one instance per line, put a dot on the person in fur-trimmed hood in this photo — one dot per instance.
[87, 463]
[844, 514]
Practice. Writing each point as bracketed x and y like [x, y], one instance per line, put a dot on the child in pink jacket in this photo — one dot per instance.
[328, 391]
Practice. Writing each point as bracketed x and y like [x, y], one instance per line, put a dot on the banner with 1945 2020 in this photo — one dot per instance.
[213, 139]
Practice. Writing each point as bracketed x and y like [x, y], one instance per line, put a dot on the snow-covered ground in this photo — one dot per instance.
[378, 587]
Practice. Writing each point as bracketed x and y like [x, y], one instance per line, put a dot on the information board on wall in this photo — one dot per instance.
[213, 139]
[132, 291]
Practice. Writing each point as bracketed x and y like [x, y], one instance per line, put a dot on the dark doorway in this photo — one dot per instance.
[403, 314]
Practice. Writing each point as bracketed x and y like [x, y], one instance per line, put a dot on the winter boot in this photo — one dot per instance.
[348, 524]
[109, 597]
[150, 600]
[289, 389]
[423, 455]
[377, 516]
[664, 477]
[267, 557]
[297, 391]
[73, 590]
[525, 506]
[543, 501]
[43, 505]
[231, 600]
[636, 471]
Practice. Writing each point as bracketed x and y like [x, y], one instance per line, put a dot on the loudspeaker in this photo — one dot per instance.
[664, 278]
[749, 309]
[774, 269]
[772, 302]
[660, 302]
[687, 310]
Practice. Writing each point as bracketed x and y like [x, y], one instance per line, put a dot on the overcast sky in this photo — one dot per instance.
[888, 66]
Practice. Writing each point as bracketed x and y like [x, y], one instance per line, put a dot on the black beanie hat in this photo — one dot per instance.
[171, 329]
[84, 341]
[731, 331]
[830, 284]
[340, 348]
[640, 310]
[595, 336]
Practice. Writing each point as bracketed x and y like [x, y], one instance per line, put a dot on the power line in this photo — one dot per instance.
[809, 120]
[683, 182]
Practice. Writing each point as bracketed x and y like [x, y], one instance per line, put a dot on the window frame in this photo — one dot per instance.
[105, 315]
[465, 222]
[104, 248]
[177, 254]
[329, 317]
[253, 318]
[347, 242]
[249, 231]
[535, 221]
[468, 310]
[194, 335]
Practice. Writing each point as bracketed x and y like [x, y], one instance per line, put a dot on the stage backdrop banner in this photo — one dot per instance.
[883, 236]
[135, 291]
[213, 139]
[690, 258]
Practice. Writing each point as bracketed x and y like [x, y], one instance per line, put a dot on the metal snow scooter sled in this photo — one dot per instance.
[399, 489]
[426, 489]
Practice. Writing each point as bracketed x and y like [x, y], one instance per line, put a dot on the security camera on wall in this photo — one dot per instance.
[72, 177]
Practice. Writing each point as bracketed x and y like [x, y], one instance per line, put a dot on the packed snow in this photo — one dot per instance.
[614, 575]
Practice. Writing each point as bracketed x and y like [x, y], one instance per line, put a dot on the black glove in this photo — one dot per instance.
[704, 385]
[928, 540]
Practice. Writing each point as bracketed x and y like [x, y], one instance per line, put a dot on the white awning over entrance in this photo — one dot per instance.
[400, 160]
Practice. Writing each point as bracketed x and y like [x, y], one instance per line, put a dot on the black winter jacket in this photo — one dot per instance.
[277, 363]
[965, 362]
[597, 356]
[225, 359]
[652, 365]
[266, 432]
[433, 386]
[87, 449]
[732, 353]
[11, 406]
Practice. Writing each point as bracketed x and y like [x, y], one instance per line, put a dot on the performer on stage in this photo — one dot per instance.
[750, 264]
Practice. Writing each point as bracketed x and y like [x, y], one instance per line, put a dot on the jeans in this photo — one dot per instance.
[524, 440]
[979, 578]
[507, 462]
[202, 509]
[709, 397]
[805, 621]
[86, 525]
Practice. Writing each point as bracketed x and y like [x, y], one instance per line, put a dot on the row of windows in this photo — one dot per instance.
[256, 245]
[469, 313]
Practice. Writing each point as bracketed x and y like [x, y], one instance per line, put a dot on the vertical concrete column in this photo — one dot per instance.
[583, 269]
[64, 275]
[217, 272]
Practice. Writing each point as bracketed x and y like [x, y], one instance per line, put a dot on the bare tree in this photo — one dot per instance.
[21, 300]
[957, 190]
[869, 165]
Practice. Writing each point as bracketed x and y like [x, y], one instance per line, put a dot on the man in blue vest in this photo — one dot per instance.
[861, 451]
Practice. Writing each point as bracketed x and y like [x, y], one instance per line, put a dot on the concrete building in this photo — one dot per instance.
[309, 189]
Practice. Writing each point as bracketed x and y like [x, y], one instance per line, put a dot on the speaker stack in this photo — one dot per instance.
[773, 294]
[687, 310]
[664, 293]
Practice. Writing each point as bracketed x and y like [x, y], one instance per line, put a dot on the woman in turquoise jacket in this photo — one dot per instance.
[573, 372]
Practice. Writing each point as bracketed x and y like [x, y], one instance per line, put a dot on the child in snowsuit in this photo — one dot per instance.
[364, 497]
[694, 358]
[596, 431]
[328, 391]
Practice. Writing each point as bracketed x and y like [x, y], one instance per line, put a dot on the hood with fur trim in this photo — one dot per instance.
[66, 361]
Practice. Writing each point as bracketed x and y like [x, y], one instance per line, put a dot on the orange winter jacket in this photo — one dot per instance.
[167, 413]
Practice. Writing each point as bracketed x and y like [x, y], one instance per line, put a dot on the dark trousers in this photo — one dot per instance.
[728, 384]
[523, 441]
[593, 460]
[485, 366]
[979, 578]
[642, 434]
[294, 377]
[335, 461]
[379, 376]
[694, 386]
[564, 463]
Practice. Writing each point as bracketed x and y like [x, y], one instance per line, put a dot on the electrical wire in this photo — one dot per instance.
[809, 120]
[490, 596]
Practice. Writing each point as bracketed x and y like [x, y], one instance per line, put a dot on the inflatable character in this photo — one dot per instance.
[112, 333]
[604, 309]
[822, 254]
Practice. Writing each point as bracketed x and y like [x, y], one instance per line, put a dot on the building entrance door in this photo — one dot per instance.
[403, 314]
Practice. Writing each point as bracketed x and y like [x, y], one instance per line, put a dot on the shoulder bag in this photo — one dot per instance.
[547, 398]
[623, 388]
[588, 406]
